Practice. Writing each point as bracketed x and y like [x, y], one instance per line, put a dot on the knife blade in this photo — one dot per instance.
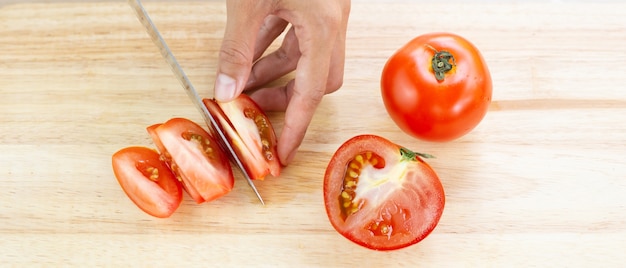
[211, 122]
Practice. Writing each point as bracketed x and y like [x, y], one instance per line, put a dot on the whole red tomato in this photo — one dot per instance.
[436, 87]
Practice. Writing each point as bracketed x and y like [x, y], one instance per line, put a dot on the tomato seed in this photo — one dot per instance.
[155, 174]
[266, 144]
[248, 113]
[261, 123]
[384, 229]
[354, 209]
[380, 228]
[149, 171]
[354, 165]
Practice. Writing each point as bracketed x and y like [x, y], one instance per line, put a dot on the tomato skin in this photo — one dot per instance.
[404, 196]
[158, 198]
[194, 157]
[435, 110]
[250, 132]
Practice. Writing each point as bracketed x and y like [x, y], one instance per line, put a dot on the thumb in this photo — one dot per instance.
[237, 50]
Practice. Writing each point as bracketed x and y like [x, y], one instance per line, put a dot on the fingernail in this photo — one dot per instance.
[225, 87]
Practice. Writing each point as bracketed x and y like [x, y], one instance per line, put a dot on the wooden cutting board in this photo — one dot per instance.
[540, 182]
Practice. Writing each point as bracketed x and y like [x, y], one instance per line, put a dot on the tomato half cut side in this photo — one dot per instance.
[250, 132]
[147, 181]
[195, 158]
[380, 195]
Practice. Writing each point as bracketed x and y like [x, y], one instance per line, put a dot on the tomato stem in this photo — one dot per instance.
[412, 156]
[442, 62]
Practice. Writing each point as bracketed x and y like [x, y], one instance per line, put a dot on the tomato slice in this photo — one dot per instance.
[250, 132]
[195, 158]
[380, 195]
[147, 181]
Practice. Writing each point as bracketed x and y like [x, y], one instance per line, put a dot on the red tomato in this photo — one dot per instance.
[195, 158]
[380, 195]
[437, 87]
[251, 134]
[147, 181]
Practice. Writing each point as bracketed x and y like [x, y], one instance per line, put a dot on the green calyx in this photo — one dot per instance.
[442, 63]
[408, 155]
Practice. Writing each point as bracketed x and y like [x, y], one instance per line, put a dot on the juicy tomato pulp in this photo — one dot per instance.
[437, 87]
[147, 181]
[195, 158]
[250, 132]
[381, 196]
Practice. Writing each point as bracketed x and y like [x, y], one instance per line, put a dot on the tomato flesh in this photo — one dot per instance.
[194, 157]
[381, 196]
[147, 181]
[251, 134]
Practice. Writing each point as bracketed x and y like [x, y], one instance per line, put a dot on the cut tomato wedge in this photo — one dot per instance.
[194, 157]
[250, 133]
[147, 181]
[380, 195]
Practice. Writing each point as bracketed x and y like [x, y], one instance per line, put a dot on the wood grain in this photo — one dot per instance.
[540, 182]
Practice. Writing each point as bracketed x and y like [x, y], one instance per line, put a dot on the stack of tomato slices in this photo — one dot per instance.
[190, 158]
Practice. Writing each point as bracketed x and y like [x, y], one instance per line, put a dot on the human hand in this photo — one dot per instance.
[314, 47]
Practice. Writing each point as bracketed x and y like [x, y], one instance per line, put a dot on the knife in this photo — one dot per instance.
[167, 54]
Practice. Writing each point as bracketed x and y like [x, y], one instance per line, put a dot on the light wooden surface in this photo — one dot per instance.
[540, 182]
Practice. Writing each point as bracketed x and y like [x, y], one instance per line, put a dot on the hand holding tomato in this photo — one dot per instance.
[313, 47]
[437, 87]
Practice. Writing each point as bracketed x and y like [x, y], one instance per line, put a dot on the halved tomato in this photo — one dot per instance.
[195, 158]
[380, 195]
[250, 133]
[147, 181]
